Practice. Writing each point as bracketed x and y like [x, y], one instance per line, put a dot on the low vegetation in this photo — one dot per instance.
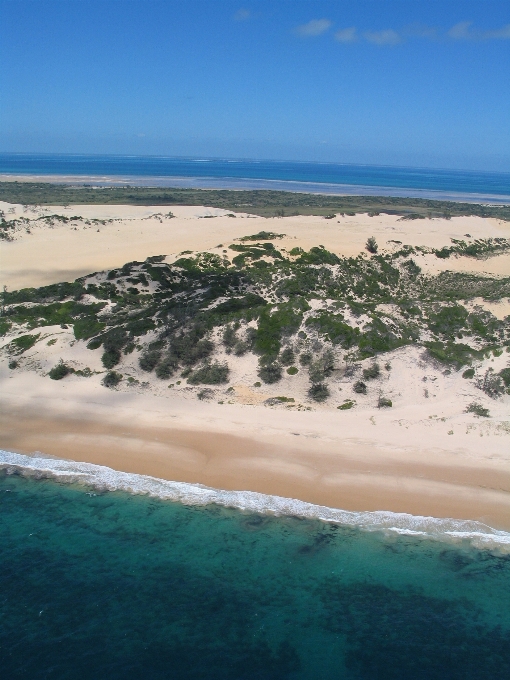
[60, 371]
[260, 202]
[301, 313]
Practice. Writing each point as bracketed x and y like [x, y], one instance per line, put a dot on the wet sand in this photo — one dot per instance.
[315, 457]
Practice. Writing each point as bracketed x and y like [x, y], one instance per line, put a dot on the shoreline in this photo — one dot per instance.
[102, 478]
[240, 184]
[319, 457]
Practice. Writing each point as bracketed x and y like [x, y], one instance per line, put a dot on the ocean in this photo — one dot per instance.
[100, 581]
[214, 173]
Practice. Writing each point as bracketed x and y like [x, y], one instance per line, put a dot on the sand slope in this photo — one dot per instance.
[64, 252]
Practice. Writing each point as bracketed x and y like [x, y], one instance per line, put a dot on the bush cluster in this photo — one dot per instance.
[112, 379]
[60, 371]
[270, 373]
[372, 372]
[319, 392]
[210, 374]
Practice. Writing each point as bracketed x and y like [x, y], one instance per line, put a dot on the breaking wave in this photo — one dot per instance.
[102, 478]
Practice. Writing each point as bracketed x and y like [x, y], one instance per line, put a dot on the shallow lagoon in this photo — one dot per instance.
[109, 584]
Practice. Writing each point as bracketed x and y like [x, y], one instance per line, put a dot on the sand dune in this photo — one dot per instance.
[424, 456]
[66, 251]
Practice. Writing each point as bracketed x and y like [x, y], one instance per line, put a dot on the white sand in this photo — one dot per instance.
[67, 251]
[424, 456]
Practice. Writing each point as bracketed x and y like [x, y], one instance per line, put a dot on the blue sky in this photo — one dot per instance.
[397, 82]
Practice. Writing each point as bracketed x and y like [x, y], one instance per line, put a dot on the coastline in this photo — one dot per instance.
[103, 478]
[240, 184]
[316, 456]
[364, 460]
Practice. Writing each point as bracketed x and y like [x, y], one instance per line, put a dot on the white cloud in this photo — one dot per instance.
[502, 33]
[387, 37]
[346, 35]
[463, 31]
[421, 31]
[313, 28]
[242, 15]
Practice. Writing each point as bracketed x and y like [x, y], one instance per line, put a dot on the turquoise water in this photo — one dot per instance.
[260, 174]
[106, 584]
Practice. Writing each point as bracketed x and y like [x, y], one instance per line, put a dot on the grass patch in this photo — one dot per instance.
[348, 404]
[478, 410]
[23, 343]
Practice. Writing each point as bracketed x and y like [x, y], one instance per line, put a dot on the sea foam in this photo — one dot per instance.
[104, 478]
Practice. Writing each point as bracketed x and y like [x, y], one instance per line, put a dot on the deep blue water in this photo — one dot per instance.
[125, 587]
[324, 177]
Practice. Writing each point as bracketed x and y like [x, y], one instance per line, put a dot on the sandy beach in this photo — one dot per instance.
[400, 461]
[420, 457]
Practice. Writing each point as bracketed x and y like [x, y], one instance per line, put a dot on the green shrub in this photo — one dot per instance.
[371, 245]
[505, 376]
[167, 367]
[318, 256]
[210, 374]
[492, 384]
[115, 339]
[305, 359]
[272, 327]
[287, 356]
[335, 329]
[240, 303]
[60, 371]
[191, 347]
[456, 354]
[322, 367]
[149, 360]
[469, 373]
[292, 370]
[87, 327]
[23, 343]
[478, 410]
[360, 387]
[111, 358]
[270, 373]
[240, 348]
[229, 337]
[384, 402]
[5, 326]
[346, 405]
[274, 401]
[112, 379]
[13, 364]
[95, 343]
[319, 392]
[371, 372]
[262, 236]
[84, 372]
